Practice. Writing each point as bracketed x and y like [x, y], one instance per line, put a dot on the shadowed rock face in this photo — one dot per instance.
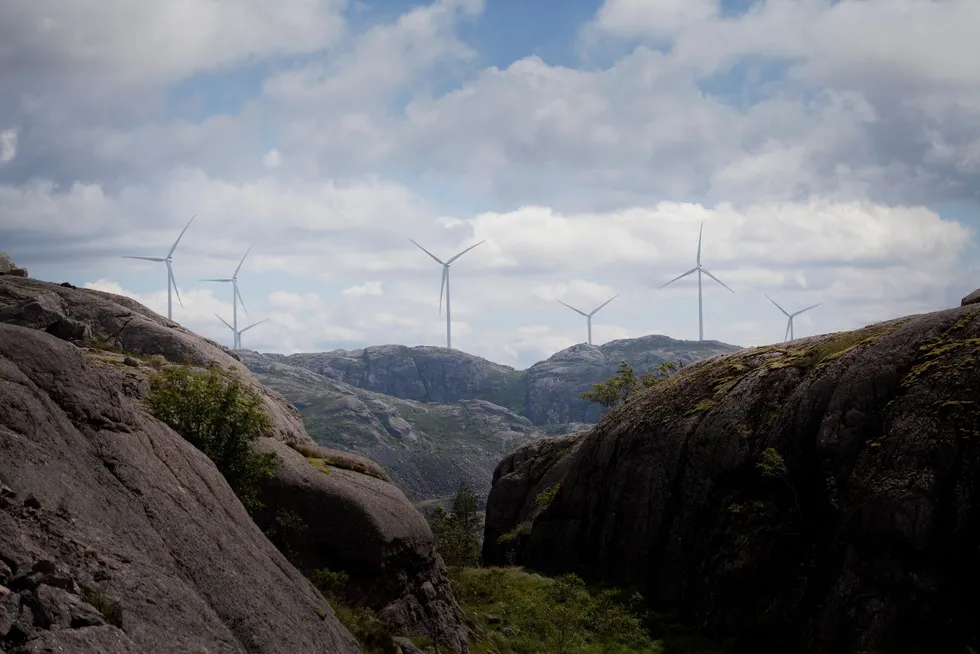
[97, 493]
[864, 533]
[90, 482]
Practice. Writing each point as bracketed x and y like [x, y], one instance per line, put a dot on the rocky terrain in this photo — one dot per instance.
[435, 417]
[427, 448]
[817, 496]
[116, 535]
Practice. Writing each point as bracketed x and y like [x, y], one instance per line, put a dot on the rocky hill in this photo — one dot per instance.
[818, 496]
[426, 447]
[118, 536]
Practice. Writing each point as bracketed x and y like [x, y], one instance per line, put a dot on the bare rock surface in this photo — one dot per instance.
[818, 496]
[102, 506]
[972, 298]
[390, 557]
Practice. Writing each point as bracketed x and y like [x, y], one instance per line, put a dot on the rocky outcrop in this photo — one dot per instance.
[8, 267]
[103, 507]
[817, 496]
[127, 508]
[972, 298]
[391, 562]
[112, 323]
[423, 374]
[554, 385]
[427, 448]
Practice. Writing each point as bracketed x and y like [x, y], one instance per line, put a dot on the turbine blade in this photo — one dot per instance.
[705, 271]
[437, 259]
[574, 309]
[224, 321]
[238, 294]
[808, 308]
[157, 259]
[214, 280]
[235, 276]
[464, 252]
[170, 273]
[442, 288]
[692, 270]
[789, 326]
[777, 306]
[174, 247]
[254, 324]
[604, 304]
[700, 231]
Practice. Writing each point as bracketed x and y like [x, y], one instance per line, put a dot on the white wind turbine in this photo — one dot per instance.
[588, 316]
[236, 297]
[789, 325]
[238, 333]
[699, 269]
[171, 282]
[445, 286]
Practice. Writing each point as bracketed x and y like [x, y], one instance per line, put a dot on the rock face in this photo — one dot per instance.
[98, 495]
[414, 591]
[554, 385]
[8, 267]
[972, 298]
[820, 496]
[427, 448]
[124, 506]
[423, 374]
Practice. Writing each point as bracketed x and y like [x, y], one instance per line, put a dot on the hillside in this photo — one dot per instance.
[427, 448]
[819, 496]
[118, 536]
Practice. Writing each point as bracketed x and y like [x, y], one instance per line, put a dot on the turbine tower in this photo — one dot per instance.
[699, 269]
[789, 324]
[238, 333]
[236, 297]
[171, 282]
[588, 316]
[445, 286]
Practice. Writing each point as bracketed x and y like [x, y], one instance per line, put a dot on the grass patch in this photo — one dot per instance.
[826, 351]
[547, 496]
[323, 462]
[110, 609]
[520, 613]
[523, 529]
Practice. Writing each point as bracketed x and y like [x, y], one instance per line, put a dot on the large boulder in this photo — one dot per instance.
[972, 298]
[387, 551]
[8, 267]
[103, 507]
[816, 496]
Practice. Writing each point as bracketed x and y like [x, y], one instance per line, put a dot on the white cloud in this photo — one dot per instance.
[372, 289]
[663, 18]
[8, 145]
[272, 158]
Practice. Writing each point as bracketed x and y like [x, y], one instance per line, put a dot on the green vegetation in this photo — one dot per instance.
[523, 529]
[323, 461]
[625, 384]
[813, 357]
[773, 466]
[371, 631]
[110, 609]
[457, 531]
[516, 612]
[546, 496]
[222, 417]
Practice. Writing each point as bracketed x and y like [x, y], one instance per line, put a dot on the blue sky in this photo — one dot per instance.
[829, 147]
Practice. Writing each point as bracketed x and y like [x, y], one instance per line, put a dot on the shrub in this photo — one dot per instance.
[546, 496]
[456, 531]
[221, 417]
[625, 384]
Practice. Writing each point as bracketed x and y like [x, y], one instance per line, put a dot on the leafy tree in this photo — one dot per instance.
[624, 384]
[222, 417]
[456, 531]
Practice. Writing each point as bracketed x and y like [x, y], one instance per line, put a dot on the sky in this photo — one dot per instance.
[831, 150]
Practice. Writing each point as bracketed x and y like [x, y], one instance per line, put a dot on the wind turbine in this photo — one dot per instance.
[445, 286]
[236, 297]
[789, 325]
[699, 269]
[171, 282]
[238, 334]
[588, 316]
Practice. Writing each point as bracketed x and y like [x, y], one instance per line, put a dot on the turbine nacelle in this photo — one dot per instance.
[789, 323]
[167, 261]
[588, 316]
[444, 287]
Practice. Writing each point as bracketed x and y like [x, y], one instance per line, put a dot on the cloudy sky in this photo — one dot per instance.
[831, 149]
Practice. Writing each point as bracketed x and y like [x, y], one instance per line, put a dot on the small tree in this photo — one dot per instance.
[456, 531]
[221, 417]
[624, 384]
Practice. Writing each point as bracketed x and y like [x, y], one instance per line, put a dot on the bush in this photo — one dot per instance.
[625, 384]
[456, 532]
[221, 417]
